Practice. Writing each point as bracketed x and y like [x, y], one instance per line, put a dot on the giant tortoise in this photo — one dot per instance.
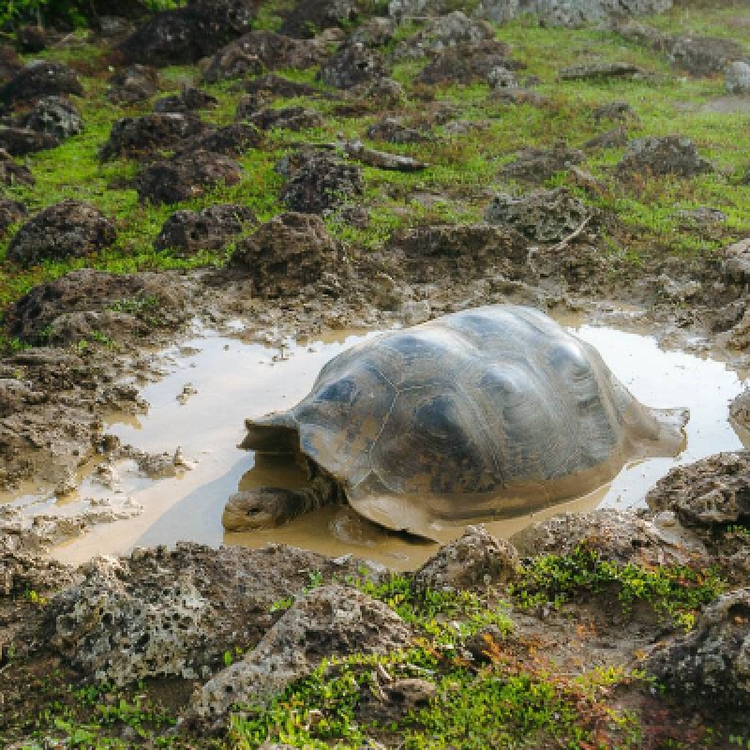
[488, 412]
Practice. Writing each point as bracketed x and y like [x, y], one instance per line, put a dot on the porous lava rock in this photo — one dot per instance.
[393, 130]
[614, 138]
[69, 229]
[714, 491]
[291, 118]
[230, 140]
[20, 573]
[13, 173]
[139, 136]
[430, 252]
[209, 229]
[616, 111]
[542, 216]
[259, 51]
[475, 559]
[737, 77]
[190, 99]
[31, 40]
[135, 83]
[22, 141]
[55, 115]
[187, 34]
[537, 165]
[319, 181]
[705, 55]
[467, 63]
[622, 537]
[441, 33]
[739, 409]
[330, 621]
[38, 79]
[308, 17]
[175, 612]
[11, 212]
[571, 13]
[69, 308]
[660, 156]
[353, 65]
[186, 176]
[711, 663]
[288, 252]
[377, 32]
[274, 85]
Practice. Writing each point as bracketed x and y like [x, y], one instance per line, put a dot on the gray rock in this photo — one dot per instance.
[382, 159]
[69, 229]
[735, 263]
[136, 83]
[712, 663]
[174, 613]
[668, 155]
[739, 409]
[738, 78]
[319, 181]
[287, 253]
[600, 71]
[189, 33]
[332, 621]
[393, 130]
[260, 51]
[13, 173]
[140, 136]
[714, 491]
[442, 33]
[10, 212]
[703, 55]
[542, 216]
[615, 138]
[467, 63]
[290, 118]
[476, 559]
[697, 55]
[536, 165]
[56, 116]
[617, 111]
[186, 176]
[22, 141]
[615, 535]
[209, 229]
[375, 33]
[502, 78]
[38, 79]
[308, 17]
[458, 249]
[189, 99]
[353, 65]
[230, 140]
[54, 312]
[553, 12]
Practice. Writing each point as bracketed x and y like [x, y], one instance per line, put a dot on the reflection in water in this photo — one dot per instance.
[235, 380]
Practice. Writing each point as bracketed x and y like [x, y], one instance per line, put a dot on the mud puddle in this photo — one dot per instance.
[215, 382]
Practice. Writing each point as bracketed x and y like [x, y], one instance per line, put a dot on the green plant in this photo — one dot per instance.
[674, 591]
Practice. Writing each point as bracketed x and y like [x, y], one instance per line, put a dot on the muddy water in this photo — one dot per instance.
[233, 380]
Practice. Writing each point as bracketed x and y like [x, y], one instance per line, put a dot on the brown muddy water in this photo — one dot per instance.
[214, 382]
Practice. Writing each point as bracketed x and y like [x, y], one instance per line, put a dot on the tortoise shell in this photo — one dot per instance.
[491, 411]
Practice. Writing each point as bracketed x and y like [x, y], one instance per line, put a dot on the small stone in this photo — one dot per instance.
[738, 78]
[476, 559]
